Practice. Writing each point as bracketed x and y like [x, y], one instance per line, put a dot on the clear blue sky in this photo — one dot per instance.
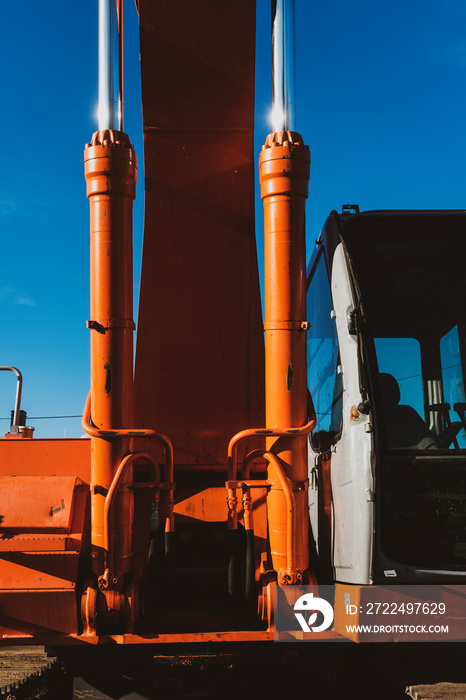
[380, 101]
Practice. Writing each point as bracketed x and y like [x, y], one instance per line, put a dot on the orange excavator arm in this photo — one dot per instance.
[196, 488]
[199, 372]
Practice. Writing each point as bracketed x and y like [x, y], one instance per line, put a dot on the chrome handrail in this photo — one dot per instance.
[19, 386]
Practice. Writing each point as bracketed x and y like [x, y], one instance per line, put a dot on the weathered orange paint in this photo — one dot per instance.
[41, 457]
[284, 174]
[43, 547]
[110, 169]
[199, 370]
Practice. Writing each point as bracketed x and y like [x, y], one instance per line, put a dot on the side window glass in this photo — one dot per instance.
[402, 398]
[422, 412]
[323, 379]
[453, 382]
[401, 357]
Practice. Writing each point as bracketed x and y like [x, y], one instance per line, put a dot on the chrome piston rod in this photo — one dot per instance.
[283, 65]
[110, 111]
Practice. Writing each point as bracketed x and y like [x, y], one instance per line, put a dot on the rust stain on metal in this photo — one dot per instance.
[289, 377]
[108, 378]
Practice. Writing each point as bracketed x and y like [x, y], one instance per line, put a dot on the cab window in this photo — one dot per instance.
[323, 375]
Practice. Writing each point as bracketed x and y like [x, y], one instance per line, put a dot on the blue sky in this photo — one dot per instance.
[380, 101]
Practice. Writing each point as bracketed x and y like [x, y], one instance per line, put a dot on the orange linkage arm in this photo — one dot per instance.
[291, 574]
[259, 432]
[133, 432]
[290, 500]
[233, 460]
[291, 510]
[116, 483]
[245, 483]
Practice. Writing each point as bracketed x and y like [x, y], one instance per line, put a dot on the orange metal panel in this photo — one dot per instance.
[46, 458]
[14, 636]
[38, 543]
[36, 503]
[208, 505]
[27, 570]
[40, 570]
[199, 355]
[26, 551]
[38, 613]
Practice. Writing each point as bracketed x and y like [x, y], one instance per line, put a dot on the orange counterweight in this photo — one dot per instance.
[110, 169]
[284, 167]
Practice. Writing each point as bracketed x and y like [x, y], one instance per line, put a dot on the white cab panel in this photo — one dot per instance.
[351, 455]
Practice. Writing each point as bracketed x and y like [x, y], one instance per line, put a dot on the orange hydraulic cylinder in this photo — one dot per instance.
[284, 167]
[110, 169]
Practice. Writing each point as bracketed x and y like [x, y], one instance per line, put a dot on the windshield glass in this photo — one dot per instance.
[410, 269]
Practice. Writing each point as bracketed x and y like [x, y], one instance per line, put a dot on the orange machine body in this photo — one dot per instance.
[193, 519]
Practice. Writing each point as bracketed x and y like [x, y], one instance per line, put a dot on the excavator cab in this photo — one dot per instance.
[386, 364]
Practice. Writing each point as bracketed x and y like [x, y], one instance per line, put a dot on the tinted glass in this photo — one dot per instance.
[453, 384]
[323, 376]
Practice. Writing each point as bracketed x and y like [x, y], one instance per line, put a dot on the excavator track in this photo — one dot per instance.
[19, 666]
[438, 691]
[28, 673]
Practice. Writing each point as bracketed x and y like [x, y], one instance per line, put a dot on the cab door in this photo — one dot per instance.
[341, 491]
